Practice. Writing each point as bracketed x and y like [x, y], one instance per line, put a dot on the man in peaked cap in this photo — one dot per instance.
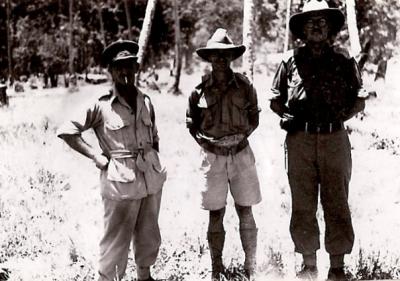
[222, 113]
[130, 172]
[316, 88]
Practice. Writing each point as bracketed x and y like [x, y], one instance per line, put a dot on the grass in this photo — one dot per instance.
[51, 212]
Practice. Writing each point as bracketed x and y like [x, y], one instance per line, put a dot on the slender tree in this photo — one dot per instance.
[146, 28]
[71, 80]
[287, 33]
[352, 27]
[99, 9]
[178, 50]
[128, 19]
[9, 43]
[248, 27]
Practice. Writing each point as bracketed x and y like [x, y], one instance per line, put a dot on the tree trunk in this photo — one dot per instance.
[3, 95]
[9, 44]
[248, 20]
[146, 29]
[287, 31]
[352, 26]
[71, 79]
[59, 7]
[381, 70]
[102, 32]
[178, 54]
[128, 19]
[188, 53]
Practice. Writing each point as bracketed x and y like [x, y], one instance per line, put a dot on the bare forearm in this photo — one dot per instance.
[358, 106]
[77, 143]
[278, 107]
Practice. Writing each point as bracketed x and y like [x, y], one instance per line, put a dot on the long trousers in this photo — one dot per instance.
[320, 163]
[126, 221]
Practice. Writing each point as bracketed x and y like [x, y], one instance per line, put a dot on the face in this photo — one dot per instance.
[220, 60]
[123, 71]
[316, 29]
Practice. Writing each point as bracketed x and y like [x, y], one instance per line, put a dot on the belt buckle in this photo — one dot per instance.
[318, 129]
[330, 127]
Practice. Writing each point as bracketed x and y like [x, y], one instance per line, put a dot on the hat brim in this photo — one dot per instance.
[111, 51]
[124, 58]
[234, 52]
[334, 15]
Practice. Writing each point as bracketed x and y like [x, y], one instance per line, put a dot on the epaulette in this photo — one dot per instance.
[204, 79]
[242, 77]
[106, 96]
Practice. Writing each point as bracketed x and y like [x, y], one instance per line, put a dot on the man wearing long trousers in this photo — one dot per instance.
[222, 113]
[130, 172]
[315, 90]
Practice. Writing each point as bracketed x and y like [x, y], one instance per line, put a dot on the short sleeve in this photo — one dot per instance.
[81, 120]
[279, 89]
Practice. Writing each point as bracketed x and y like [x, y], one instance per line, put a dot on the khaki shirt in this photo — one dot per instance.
[126, 137]
[216, 112]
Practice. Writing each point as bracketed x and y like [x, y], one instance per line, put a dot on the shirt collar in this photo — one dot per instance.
[117, 97]
[208, 80]
[326, 51]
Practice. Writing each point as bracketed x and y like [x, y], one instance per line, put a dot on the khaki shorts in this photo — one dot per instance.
[237, 172]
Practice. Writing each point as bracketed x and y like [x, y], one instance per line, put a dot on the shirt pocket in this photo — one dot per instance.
[209, 110]
[239, 112]
[154, 174]
[296, 90]
[118, 131]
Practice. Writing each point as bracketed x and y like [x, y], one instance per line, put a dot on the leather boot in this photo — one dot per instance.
[216, 244]
[249, 244]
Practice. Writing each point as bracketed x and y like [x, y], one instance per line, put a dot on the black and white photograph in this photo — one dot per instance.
[190, 140]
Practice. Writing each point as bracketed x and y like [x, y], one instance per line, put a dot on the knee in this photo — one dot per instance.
[246, 218]
[216, 223]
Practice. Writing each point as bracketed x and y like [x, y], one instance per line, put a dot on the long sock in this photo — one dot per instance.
[337, 261]
[143, 272]
[310, 259]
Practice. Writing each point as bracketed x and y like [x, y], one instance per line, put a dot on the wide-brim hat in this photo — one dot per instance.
[312, 8]
[119, 50]
[221, 42]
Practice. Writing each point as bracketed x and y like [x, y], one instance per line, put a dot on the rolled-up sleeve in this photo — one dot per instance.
[156, 138]
[192, 112]
[355, 76]
[279, 90]
[355, 101]
[80, 121]
[253, 110]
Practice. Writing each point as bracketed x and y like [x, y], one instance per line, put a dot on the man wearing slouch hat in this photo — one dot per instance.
[316, 88]
[221, 115]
